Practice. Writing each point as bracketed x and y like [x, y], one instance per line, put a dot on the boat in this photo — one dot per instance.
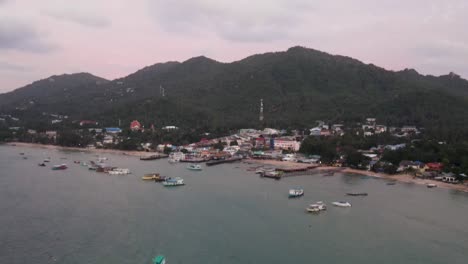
[357, 194]
[119, 171]
[177, 181]
[391, 183]
[47, 160]
[41, 164]
[431, 185]
[272, 174]
[22, 153]
[93, 167]
[316, 207]
[160, 259]
[60, 167]
[296, 193]
[153, 177]
[342, 204]
[77, 162]
[195, 167]
[25, 157]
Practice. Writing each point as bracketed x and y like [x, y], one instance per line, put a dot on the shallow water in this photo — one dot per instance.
[224, 214]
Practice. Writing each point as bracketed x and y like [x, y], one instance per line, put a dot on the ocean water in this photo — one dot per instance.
[224, 214]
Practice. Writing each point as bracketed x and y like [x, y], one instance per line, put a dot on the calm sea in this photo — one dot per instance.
[224, 214]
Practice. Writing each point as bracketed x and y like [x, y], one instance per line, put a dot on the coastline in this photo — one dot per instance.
[404, 178]
[55, 147]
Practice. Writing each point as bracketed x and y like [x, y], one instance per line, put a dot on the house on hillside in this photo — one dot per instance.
[287, 144]
[434, 166]
[135, 125]
[315, 131]
[407, 164]
[113, 130]
[88, 122]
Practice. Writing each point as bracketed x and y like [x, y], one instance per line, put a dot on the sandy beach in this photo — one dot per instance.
[54, 147]
[406, 178]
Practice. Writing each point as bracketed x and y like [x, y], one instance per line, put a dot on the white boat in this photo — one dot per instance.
[431, 185]
[47, 160]
[342, 204]
[296, 192]
[119, 171]
[316, 207]
[173, 182]
[197, 167]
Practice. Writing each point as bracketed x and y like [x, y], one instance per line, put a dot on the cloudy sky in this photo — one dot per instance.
[113, 38]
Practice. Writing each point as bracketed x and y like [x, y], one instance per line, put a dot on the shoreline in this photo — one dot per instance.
[404, 178]
[132, 153]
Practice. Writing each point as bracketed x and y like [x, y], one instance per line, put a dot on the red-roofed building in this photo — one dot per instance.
[434, 166]
[135, 125]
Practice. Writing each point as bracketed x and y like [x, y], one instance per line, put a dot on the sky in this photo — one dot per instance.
[113, 38]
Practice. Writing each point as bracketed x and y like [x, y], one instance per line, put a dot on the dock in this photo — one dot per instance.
[221, 161]
[154, 157]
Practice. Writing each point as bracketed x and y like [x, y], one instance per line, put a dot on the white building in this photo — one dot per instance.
[287, 144]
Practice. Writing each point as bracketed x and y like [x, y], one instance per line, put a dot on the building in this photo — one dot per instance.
[315, 131]
[170, 128]
[409, 129]
[51, 134]
[380, 129]
[287, 144]
[135, 125]
[434, 166]
[88, 122]
[113, 130]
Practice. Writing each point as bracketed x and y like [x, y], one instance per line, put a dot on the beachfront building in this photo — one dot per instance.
[287, 144]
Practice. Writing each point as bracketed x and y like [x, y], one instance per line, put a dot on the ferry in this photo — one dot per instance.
[173, 182]
[160, 259]
[60, 167]
[194, 167]
[296, 193]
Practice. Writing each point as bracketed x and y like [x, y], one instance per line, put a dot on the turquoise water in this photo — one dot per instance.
[224, 214]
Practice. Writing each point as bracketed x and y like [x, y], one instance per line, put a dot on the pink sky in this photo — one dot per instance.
[114, 38]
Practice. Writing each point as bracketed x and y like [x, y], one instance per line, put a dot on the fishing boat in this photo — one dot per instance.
[160, 259]
[60, 167]
[342, 204]
[272, 174]
[119, 171]
[316, 207]
[194, 167]
[296, 193]
[357, 194]
[93, 167]
[153, 177]
[177, 181]
[41, 164]
[431, 185]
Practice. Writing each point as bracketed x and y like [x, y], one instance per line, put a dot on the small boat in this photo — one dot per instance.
[160, 259]
[342, 204]
[195, 167]
[47, 160]
[95, 168]
[41, 164]
[357, 194]
[296, 193]
[22, 153]
[391, 183]
[119, 171]
[60, 167]
[316, 207]
[177, 181]
[431, 185]
[77, 162]
[153, 177]
[25, 157]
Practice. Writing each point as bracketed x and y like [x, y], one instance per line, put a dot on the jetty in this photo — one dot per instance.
[154, 157]
[221, 161]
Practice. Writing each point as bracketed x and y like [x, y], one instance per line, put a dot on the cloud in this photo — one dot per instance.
[15, 35]
[241, 21]
[6, 66]
[80, 17]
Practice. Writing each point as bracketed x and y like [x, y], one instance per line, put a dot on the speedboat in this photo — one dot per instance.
[195, 167]
[316, 207]
[177, 181]
[160, 259]
[60, 167]
[295, 193]
[119, 171]
[342, 204]
[431, 185]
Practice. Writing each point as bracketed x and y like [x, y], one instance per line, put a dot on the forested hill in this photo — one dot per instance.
[298, 86]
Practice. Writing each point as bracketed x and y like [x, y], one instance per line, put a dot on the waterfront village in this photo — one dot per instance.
[363, 146]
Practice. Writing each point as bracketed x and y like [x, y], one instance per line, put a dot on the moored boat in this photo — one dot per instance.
[41, 164]
[119, 171]
[195, 167]
[431, 185]
[342, 204]
[296, 193]
[357, 194]
[177, 181]
[60, 167]
[153, 177]
[160, 259]
[316, 207]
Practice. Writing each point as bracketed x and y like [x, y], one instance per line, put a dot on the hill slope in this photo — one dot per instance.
[298, 86]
